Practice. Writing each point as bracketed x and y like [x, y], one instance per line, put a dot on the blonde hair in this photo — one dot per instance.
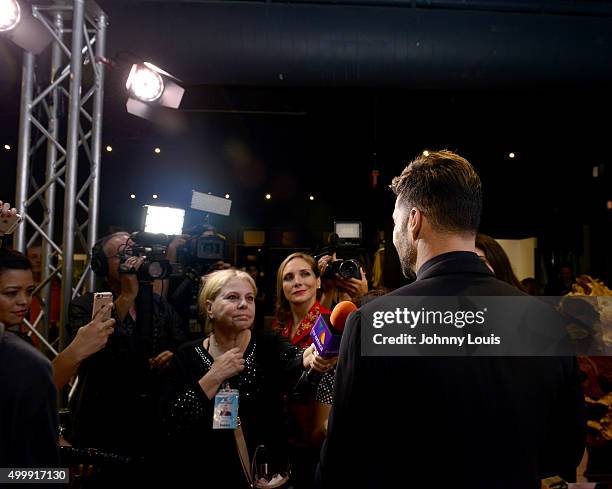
[212, 285]
[283, 308]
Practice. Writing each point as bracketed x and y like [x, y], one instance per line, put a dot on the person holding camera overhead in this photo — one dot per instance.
[112, 408]
[297, 308]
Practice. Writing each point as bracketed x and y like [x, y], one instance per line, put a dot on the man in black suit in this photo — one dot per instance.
[461, 422]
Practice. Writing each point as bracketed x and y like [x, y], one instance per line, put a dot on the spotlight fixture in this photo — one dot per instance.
[268, 196]
[109, 148]
[150, 88]
[227, 196]
[155, 196]
[18, 24]
[10, 14]
[132, 196]
[157, 151]
[511, 155]
[311, 197]
[7, 147]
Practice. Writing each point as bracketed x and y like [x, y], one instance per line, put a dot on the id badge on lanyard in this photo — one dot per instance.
[225, 413]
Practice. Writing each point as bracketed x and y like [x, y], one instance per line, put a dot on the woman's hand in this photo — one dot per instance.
[312, 359]
[228, 365]
[224, 367]
[354, 287]
[92, 337]
[161, 361]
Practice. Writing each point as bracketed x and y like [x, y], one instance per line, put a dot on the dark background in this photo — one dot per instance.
[308, 98]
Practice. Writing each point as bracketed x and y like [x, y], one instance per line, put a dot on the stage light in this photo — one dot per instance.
[150, 90]
[7, 147]
[425, 153]
[155, 196]
[268, 196]
[311, 197]
[511, 155]
[165, 220]
[10, 14]
[132, 196]
[18, 24]
[145, 83]
[157, 151]
[109, 148]
[227, 196]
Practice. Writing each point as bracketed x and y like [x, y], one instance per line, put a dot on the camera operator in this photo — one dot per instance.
[113, 406]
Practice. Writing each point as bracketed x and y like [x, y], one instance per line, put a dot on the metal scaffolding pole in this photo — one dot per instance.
[72, 155]
[52, 127]
[96, 149]
[41, 121]
[23, 153]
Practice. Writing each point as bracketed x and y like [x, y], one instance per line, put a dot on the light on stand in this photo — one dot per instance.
[164, 220]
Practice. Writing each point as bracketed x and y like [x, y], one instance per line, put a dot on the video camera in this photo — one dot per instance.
[153, 247]
[204, 247]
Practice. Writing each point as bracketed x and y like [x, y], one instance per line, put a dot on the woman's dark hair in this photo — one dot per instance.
[13, 260]
[497, 258]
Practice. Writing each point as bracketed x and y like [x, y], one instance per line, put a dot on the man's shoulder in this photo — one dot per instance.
[457, 284]
[23, 361]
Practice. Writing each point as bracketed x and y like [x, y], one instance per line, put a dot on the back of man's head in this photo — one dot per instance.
[13, 260]
[445, 188]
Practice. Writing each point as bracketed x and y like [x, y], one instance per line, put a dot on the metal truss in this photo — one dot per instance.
[60, 132]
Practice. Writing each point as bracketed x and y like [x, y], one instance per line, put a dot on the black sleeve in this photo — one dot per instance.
[183, 404]
[174, 334]
[41, 424]
[330, 472]
[565, 446]
[286, 357]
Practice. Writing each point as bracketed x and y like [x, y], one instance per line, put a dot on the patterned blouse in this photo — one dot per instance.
[303, 340]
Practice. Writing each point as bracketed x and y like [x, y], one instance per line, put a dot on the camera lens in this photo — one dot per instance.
[348, 269]
[155, 270]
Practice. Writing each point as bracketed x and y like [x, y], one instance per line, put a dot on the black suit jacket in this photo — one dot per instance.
[475, 422]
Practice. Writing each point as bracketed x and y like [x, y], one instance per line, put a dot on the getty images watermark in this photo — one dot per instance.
[487, 326]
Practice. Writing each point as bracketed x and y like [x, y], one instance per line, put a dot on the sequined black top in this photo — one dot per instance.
[272, 367]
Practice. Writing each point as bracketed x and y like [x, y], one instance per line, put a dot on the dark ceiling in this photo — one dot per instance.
[295, 98]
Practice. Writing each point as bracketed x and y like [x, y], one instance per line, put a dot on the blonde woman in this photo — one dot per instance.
[260, 366]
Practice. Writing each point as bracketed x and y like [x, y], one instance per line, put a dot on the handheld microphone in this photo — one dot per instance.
[326, 335]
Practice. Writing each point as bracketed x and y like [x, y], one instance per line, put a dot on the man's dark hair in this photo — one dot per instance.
[13, 260]
[445, 188]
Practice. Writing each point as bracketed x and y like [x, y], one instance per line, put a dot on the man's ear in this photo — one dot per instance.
[415, 222]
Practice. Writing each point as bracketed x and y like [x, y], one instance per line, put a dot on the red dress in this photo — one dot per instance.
[302, 334]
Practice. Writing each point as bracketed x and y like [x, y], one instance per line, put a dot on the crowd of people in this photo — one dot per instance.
[159, 406]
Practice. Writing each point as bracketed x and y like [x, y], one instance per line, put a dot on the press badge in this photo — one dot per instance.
[225, 414]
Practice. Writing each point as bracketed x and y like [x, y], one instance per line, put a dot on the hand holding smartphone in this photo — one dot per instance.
[100, 300]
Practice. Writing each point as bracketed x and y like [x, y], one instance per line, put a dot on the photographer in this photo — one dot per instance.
[337, 288]
[113, 406]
